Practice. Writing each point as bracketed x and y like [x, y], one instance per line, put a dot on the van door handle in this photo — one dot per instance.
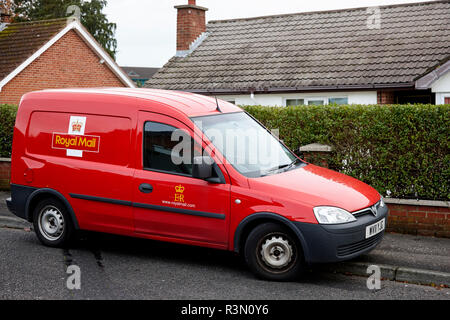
[146, 188]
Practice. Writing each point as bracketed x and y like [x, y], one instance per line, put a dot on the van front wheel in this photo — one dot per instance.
[273, 253]
[52, 223]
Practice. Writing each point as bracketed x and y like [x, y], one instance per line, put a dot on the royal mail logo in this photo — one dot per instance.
[76, 142]
[179, 196]
[76, 126]
[179, 189]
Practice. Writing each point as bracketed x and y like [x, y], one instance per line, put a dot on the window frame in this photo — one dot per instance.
[325, 101]
[286, 100]
[337, 97]
[306, 99]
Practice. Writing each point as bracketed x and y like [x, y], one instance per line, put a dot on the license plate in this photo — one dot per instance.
[375, 228]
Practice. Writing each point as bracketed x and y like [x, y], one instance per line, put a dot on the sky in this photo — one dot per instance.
[146, 29]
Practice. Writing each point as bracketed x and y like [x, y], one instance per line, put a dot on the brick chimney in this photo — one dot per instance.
[191, 23]
[5, 11]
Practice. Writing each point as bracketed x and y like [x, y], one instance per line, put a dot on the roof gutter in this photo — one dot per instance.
[426, 81]
[302, 89]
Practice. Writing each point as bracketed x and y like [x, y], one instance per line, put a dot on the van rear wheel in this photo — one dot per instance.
[273, 253]
[52, 223]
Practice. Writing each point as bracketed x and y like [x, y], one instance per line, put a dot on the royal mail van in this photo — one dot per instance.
[183, 168]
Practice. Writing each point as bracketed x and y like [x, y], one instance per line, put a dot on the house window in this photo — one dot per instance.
[316, 102]
[295, 102]
[338, 101]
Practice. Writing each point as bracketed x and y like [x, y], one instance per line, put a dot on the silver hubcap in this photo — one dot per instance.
[51, 223]
[276, 252]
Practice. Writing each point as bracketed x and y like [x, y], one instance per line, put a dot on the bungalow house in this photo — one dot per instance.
[56, 53]
[388, 54]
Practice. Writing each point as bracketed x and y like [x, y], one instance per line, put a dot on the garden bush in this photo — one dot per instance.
[400, 150]
[7, 120]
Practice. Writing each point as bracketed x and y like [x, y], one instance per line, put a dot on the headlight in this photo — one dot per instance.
[332, 215]
[382, 202]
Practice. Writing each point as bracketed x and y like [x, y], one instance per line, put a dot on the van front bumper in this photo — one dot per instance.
[339, 242]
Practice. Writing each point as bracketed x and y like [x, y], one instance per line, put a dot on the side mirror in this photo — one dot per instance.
[202, 168]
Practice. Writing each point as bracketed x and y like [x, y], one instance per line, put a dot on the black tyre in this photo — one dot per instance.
[272, 252]
[52, 223]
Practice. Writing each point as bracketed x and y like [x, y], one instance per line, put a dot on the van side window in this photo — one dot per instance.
[163, 151]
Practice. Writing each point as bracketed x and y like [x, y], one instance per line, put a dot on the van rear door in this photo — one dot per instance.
[167, 201]
[86, 158]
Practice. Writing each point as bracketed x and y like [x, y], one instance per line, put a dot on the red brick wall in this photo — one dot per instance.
[69, 63]
[385, 97]
[190, 24]
[419, 220]
[5, 174]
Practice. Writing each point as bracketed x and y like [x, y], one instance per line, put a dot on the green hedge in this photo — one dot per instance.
[402, 150]
[7, 120]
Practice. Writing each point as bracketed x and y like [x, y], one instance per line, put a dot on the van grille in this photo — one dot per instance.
[356, 247]
[362, 213]
[368, 210]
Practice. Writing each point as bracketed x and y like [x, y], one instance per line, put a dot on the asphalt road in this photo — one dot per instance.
[124, 268]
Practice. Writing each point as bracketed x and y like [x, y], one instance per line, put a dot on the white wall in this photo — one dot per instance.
[442, 88]
[279, 99]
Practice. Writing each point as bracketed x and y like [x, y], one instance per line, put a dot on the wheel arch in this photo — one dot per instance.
[44, 193]
[251, 221]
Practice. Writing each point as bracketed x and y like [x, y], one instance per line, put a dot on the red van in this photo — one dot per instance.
[111, 160]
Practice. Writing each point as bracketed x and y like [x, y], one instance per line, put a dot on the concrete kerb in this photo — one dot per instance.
[393, 273]
[13, 223]
[423, 276]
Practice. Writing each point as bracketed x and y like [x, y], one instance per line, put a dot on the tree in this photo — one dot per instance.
[91, 16]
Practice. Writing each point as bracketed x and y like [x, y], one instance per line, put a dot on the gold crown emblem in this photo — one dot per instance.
[179, 189]
[76, 126]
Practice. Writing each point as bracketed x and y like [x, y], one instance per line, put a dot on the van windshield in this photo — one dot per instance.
[249, 147]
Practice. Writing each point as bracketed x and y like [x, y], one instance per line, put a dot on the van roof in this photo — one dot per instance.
[188, 103]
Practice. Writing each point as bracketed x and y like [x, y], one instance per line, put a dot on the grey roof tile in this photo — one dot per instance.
[330, 48]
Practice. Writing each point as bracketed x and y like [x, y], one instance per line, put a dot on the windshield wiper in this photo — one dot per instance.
[275, 169]
[280, 167]
[287, 167]
[292, 164]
